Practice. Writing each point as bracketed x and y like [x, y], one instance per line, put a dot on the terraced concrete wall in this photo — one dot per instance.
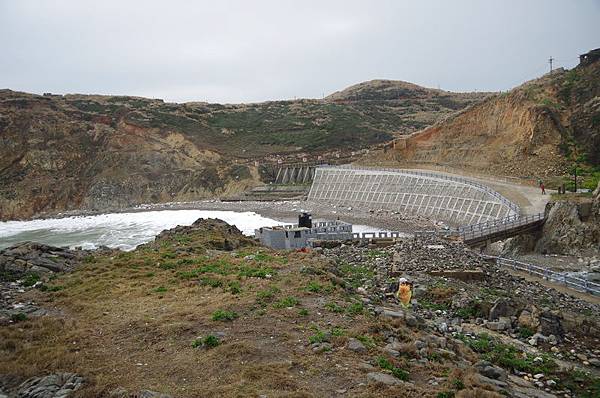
[433, 195]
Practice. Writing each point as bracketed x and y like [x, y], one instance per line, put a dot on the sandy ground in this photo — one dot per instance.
[288, 211]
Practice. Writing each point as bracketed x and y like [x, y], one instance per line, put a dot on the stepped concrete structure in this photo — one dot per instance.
[299, 173]
[434, 195]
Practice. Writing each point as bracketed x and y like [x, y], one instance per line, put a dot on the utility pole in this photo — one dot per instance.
[550, 61]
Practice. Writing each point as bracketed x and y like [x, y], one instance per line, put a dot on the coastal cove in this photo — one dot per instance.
[124, 231]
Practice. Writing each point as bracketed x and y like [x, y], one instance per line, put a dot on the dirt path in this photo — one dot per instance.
[529, 198]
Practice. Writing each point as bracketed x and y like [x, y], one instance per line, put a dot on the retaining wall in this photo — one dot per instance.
[432, 195]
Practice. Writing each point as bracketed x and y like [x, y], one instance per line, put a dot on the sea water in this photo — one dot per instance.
[124, 231]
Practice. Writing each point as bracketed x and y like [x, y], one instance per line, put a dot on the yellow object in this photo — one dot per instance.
[404, 294]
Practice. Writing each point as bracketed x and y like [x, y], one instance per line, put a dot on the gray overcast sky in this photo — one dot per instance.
[242, 51]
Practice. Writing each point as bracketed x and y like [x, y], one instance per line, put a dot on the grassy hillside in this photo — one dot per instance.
[99, 152]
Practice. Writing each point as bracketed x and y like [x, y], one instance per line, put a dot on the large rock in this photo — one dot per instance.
[502, 308]
[383, 378]
[58, 385]
[31, 257]
[550, 324]
[205, 234]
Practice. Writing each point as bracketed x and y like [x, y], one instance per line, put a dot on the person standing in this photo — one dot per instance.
[404, 293]
[543, 188]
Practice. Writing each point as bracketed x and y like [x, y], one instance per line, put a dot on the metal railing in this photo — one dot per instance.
[501, 225]
[571, 282]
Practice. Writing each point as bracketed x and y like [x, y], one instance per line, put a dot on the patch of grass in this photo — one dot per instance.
[314, 287]
[209, 341]
[458, 384]
[224, 315]
[333, 307]
[287, 302]
[235, 287]
[337, 331]
[356, 308]
[582, 383]
[256, 272]
[303, 312]
[508, 356]
[30, 279]
[212, 282]
[471, 310]
[168, 255]
[355, 275]
[373, 253]
[525, 332]
[55, 288]
[399, 373]
[149, 274]
[160, 289]
[267, 294]
[167, 265]
[320, 336]
[445, 394]
[366, 340]
[18, 317]
[426, 303]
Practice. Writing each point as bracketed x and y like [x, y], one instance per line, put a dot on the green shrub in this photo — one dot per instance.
[314, 287]
[256, 272]
[267, 294]
[30, 279]
[333, 307]
[399, 373]
[223, 315]
[303, 312]
[366, 340]
[286, 302]
[209, 341]
[18, 317]
[525, 332]
[160, 289]
[355, 308]
[458, 384]
[235, 287]
[212, 282]
[319, 337]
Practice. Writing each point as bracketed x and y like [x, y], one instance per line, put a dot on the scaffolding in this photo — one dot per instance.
[431, 195]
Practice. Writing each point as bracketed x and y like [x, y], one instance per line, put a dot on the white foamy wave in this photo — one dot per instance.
[118, 230]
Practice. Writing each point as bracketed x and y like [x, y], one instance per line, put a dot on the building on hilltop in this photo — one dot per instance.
[590, 57]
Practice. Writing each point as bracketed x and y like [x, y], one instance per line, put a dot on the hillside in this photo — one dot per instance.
[98, 152]
[537, 129]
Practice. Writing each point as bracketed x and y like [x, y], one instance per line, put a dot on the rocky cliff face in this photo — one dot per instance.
[572, 227]
[97, 152]
[528, 131]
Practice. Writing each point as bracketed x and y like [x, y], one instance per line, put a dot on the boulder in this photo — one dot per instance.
[383, 378]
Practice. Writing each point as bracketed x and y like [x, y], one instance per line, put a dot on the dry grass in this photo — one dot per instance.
[130, 321]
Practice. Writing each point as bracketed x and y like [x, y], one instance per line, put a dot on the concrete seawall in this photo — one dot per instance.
[438, 196]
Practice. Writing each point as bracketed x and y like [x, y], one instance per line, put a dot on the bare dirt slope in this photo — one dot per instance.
[534, 130]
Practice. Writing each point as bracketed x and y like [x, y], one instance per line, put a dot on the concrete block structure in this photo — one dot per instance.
[296, 237]
[433, 195]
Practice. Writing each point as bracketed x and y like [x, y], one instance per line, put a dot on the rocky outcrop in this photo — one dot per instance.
[572, 227]
[57, 385]
[205, 234]
[36, 258]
